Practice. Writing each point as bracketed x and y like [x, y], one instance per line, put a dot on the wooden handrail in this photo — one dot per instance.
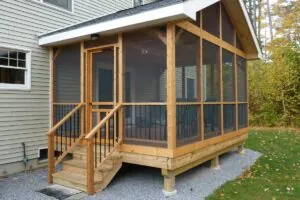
[103, 121]
[54, 128]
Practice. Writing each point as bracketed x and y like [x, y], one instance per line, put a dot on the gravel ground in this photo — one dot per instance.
[137, 183]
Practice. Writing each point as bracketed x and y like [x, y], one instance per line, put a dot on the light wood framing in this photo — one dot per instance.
[171, 87]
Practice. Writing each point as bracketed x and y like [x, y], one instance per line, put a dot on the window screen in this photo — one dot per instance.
[187, 66]
[211, 72]
[65, 4]
[227, 28]
[239, 43]
[242, 79]
[145, 63]
[211, 19]
[228, 77]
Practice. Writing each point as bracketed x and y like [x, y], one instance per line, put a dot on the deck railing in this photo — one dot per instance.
[145, 124]
[64, 135]
[102, 141]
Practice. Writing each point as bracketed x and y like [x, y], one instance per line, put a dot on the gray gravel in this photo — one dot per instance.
[136, 183]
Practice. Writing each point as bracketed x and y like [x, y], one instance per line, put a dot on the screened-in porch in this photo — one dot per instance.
[171, 95]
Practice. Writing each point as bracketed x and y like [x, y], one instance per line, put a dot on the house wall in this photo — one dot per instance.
[24, 114]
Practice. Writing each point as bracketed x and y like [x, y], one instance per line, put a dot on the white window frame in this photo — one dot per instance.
[57, 7]
[27, 69]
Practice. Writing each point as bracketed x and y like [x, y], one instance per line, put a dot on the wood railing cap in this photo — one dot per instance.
[92, 133]
[70, 114]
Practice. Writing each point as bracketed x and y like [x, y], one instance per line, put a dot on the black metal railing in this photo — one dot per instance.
[69, 131]
[106, 137]
[212, 121]
[188, 124]
[145, 125]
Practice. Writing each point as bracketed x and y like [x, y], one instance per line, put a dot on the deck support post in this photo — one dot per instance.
[169, 186]
[51, 164]
[171, 87]
[215, 163]
[241, 149]
[90, 166]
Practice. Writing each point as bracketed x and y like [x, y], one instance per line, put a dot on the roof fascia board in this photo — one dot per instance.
[251, 29]
[151, 17]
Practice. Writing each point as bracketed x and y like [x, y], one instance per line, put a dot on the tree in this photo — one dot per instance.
[274, 86]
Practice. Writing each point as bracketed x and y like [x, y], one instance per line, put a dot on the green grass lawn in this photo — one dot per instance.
[276, 175]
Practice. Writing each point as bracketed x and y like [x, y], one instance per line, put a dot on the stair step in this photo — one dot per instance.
[73, 180]
[105, 167]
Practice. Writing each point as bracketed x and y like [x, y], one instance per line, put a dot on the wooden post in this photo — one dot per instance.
[90, 166]
[121, 85]
[215, 163]
[171, 87]
[235, 86]
[221, 72]
[89, 89]
[51, 165]
[169, 185]
[240, 149]
[82, 90]
[201, 80]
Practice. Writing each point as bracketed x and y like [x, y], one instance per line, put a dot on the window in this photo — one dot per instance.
[137, 3]
[14, 69]
[64, 4]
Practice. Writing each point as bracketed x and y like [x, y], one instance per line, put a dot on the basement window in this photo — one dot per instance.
[14, 69]
[43, 154]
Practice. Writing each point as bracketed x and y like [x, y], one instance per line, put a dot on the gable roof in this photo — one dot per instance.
[149, 15]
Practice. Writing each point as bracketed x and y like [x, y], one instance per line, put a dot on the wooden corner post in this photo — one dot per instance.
[51, 165]
[171, 87]
[169, 181]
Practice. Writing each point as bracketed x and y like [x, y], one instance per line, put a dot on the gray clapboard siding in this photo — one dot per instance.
[24, 115]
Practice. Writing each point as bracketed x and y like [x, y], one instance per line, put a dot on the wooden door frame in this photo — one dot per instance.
[89, 78]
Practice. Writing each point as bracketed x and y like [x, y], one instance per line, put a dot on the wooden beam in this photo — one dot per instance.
[188, 26]
[171, 87]
[190, 165]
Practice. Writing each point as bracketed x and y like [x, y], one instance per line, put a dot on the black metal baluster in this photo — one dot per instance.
[95, 149]
[100, 143]
[130, 115]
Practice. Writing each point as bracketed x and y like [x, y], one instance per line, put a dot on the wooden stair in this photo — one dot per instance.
[74, 171]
